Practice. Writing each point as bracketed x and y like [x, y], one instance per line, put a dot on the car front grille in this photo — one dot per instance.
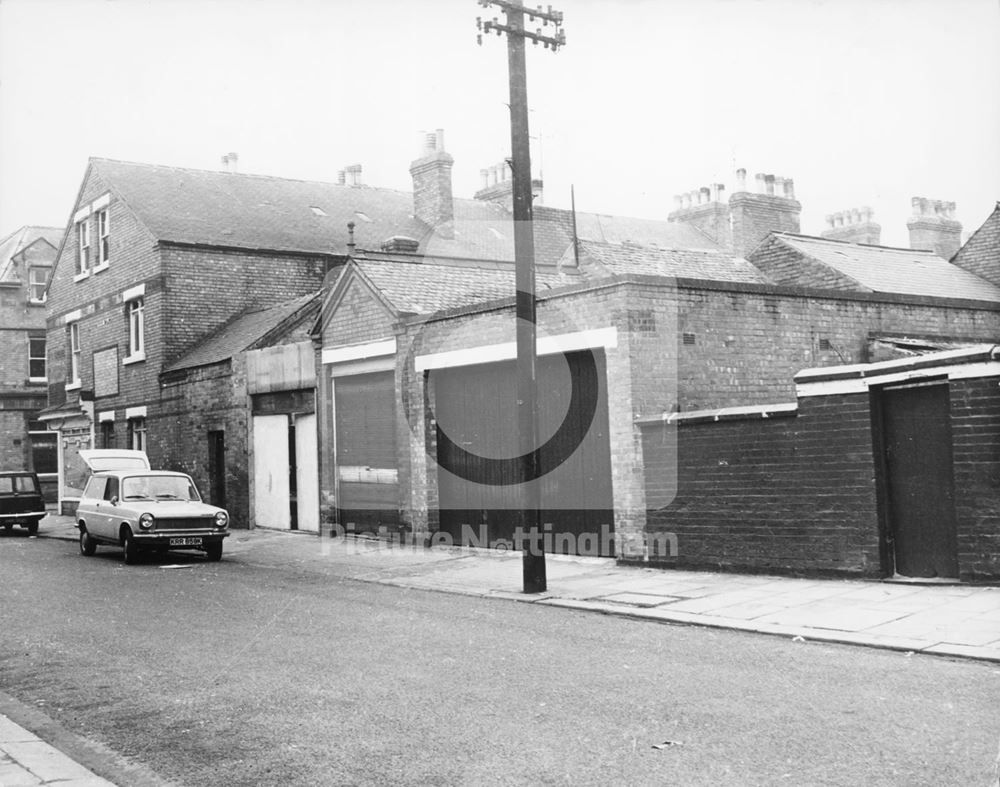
[186, 523]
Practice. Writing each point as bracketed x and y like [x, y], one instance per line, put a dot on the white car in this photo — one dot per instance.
[138, 509]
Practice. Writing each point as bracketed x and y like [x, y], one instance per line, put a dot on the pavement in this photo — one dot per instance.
[952, 620]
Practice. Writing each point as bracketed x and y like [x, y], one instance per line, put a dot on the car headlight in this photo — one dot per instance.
[221, 519]
[146, 521]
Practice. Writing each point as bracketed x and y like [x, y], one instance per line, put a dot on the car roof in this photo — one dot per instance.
[17, 472]
[139, 472]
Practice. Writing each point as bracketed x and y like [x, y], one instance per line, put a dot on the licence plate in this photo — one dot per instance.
[190, 541]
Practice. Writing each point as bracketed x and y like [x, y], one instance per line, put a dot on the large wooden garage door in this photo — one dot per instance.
[476, 407]
[365, 446]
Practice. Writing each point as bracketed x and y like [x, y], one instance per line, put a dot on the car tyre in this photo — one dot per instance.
[32, 528]
[130, 552]
[214, 552]
[87, 545]
[7, 527]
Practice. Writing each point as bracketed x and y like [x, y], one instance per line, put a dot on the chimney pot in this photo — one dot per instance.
[741, 179]
[439, 140]
[704, 195]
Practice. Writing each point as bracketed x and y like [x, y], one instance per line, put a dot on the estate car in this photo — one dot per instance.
[143, 510]
[21, 500]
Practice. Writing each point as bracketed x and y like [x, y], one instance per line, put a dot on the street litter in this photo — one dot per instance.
[667, 744]
[798, 639]
[177, 565]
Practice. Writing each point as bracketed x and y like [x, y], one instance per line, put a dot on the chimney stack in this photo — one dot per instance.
[705, 209]
[933, 226]
[229, 162]
[431, 173]
[856, 225]
[350, 175]
[773, 208]
[498, 186]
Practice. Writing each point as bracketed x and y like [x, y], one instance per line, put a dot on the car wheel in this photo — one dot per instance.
[32, 528]
[87, 545]
[130, 552]
[7, 528]
[214, 552]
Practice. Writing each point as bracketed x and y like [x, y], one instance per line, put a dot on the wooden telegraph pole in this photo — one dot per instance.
[533, 564]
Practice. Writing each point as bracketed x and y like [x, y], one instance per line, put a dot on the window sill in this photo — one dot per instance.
[130, 359]
[74, 386]
[82, 276]
[36, 302]
[102, 267]
[38, 380]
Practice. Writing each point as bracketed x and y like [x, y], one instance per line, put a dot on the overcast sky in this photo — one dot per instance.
[862, 102]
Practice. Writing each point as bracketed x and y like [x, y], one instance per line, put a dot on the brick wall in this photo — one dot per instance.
[782, 494]
[193, 403]
[755, 215]
[357, 317]
[981, 253]
[975, 414]
[206, 288]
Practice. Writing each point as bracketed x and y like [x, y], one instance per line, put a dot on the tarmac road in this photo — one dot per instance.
[259, 671]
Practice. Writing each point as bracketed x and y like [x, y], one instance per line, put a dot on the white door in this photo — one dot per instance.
[307, 475]
[270, 471]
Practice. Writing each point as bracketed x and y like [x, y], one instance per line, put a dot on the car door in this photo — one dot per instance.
[110, 515]
[91, 508]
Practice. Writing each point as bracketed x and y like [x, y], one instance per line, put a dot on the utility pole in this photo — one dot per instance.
[533, 561]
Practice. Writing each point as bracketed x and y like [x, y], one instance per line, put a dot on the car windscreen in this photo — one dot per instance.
[20, 484]
[158, 487]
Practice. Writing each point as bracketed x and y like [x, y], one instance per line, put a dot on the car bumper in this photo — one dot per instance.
[23, 515]
[168, 538]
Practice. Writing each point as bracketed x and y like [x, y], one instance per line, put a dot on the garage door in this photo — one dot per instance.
[365, 451]
[475, 406]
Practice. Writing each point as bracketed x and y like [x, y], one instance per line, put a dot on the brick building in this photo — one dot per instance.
[26, 259]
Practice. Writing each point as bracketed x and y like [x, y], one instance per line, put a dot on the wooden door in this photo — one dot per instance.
[271, 492]
[306, 472]
[918, 479]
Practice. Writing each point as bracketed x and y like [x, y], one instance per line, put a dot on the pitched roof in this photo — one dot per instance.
[890, 270]
[423, 286]
[217, 208]
[242, 332]
[708, 264]
[20, 239]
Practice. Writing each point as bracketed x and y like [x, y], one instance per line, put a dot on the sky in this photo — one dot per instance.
[861, 102]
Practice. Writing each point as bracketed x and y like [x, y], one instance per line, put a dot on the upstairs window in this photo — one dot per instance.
[83, 240]
[36, 359]
[136, 329]
[103, 230]
[74, 354]
[37, 277]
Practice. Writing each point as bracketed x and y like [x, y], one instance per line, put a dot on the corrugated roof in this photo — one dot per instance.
[685, 263]
[239, 334]
[890, 270]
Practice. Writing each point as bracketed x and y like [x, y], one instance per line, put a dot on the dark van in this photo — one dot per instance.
[20, 500]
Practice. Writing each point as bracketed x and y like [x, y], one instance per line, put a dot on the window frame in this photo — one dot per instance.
[137, 433]
[135, 318]
[32, 284]
[75, 355]
[32, 358]
[103, 233]
[83, 247]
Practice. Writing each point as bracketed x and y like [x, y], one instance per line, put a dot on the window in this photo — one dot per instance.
[36, 359]
[137, 434]
[83, 238]
[107, 434]
[136, 343]
[74, 353]
[37, 277]
[111, 489]
[103, 227]
[43, 448]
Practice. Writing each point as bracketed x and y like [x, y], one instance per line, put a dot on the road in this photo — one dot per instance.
[263, 670]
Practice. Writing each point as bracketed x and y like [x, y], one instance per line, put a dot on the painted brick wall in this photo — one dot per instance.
[203, 399]
[783, 494]
[975, 413]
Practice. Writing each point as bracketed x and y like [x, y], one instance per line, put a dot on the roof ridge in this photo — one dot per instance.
[852, 243]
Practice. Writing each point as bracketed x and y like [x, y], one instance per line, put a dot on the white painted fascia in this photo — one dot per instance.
[358, 352]
[132, 293]
[106, 415]
[135, 412]
[964, 371]
[606, 338]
